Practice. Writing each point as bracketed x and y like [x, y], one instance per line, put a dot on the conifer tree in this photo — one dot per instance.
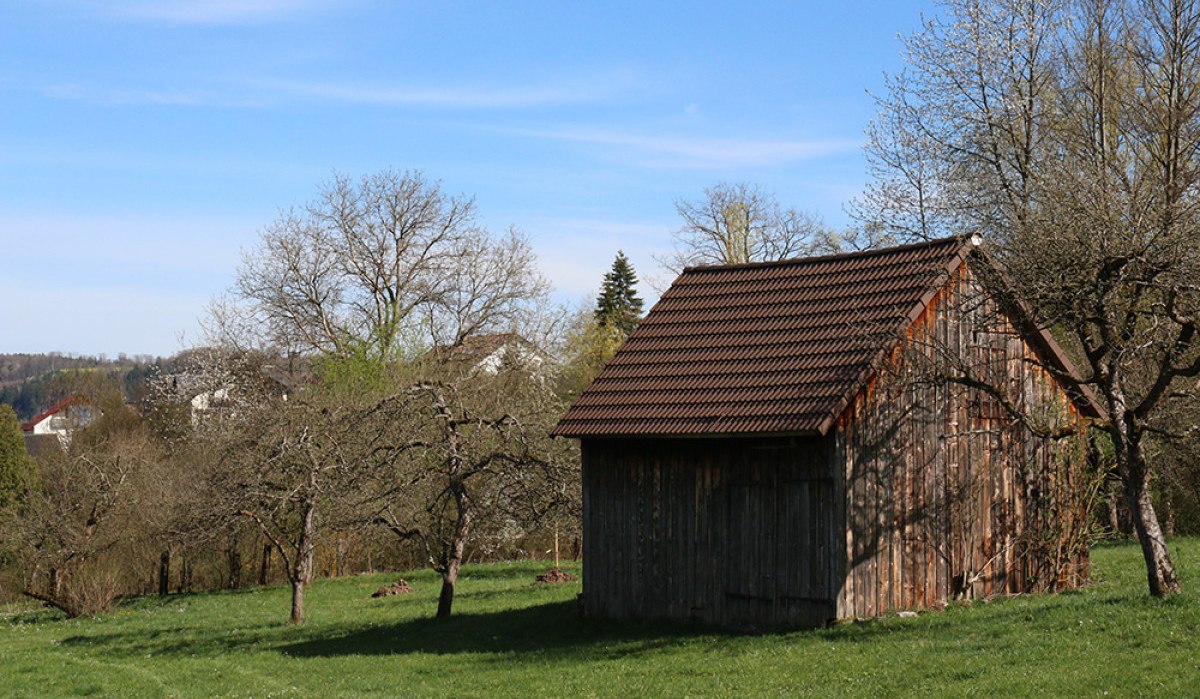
[618, 305]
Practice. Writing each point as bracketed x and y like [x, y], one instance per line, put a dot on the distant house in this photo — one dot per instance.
[219, 392]
[783, 444]
[489, 353]
[59, 421]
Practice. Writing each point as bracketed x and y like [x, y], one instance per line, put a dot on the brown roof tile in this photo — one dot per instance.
[775, 347]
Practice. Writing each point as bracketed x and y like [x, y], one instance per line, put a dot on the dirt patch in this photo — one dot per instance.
[400, 587]
[556, 575]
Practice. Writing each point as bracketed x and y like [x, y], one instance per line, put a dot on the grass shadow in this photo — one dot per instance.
[539, 630]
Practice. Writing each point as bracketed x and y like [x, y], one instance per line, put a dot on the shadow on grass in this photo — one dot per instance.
[540, 630]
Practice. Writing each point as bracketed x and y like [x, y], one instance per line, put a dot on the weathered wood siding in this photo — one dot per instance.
[925, 490]
[947, 495]
[738, 532]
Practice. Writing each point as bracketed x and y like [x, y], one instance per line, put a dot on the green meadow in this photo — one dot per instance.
[510, 637]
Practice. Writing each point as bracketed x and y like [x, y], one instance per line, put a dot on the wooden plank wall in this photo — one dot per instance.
[737, 532]
[947, 495]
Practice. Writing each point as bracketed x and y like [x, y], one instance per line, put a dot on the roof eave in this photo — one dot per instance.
[969, 243]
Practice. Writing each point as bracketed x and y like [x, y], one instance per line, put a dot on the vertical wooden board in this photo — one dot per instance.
[886, 502]
[941, 484]
[862, 514]
[887, 499]
[925, 486]
[690, 480]
[871, 586]
[650, 594]
[906, 504]
[803, 563]
[597, 538]
[614, 528]
[852, 510]
[637, 533]
[986, 472]
[598, 496]
[840, 530]
[853, 513]
[590, 555]
[662, 553]
[626, 529]
[720, 537]
[902, 492]
[716, 540]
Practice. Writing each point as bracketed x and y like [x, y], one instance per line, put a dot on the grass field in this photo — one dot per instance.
[512, 638]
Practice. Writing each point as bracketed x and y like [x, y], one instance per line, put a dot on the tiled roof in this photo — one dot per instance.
[761, 348]
[75, 399]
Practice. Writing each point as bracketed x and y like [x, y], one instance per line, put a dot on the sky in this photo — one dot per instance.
[144, 144]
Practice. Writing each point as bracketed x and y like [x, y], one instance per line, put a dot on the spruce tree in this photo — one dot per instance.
[618, 305]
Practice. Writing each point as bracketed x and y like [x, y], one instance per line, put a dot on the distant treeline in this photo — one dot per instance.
[30, 383]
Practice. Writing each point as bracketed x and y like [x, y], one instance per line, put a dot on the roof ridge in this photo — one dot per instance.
[837, 256]
[834, 365]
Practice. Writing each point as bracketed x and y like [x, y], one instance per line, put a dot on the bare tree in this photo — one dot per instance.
[736, 223]
[491, 284]
[1070, 133]
[487, 461]
[367, 266]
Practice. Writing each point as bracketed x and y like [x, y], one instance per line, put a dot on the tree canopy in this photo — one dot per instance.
[739, 222]
[1069, 134]
[381, 267]
[16, 468]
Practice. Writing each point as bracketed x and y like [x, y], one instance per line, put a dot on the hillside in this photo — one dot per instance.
[31, 383]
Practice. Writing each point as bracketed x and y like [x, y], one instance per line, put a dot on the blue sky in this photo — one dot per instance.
[143, 144]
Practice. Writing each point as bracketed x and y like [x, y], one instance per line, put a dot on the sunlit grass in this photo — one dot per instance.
[511, 637]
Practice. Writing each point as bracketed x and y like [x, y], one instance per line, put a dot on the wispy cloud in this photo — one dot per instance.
[574, 91]
[164, 97]
[209, 11]
[265, 93]
[101, 161]
[698, 152]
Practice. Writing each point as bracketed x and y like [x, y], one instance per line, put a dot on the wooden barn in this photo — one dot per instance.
[788, 443]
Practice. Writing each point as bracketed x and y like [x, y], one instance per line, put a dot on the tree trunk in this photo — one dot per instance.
[297, 603]
[164, 573]
[234, 555]
[185, 575]
[454, 553]
[302, 575]
[264, 570]
[449, 579]
[1114, 514]
[1160, 573]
